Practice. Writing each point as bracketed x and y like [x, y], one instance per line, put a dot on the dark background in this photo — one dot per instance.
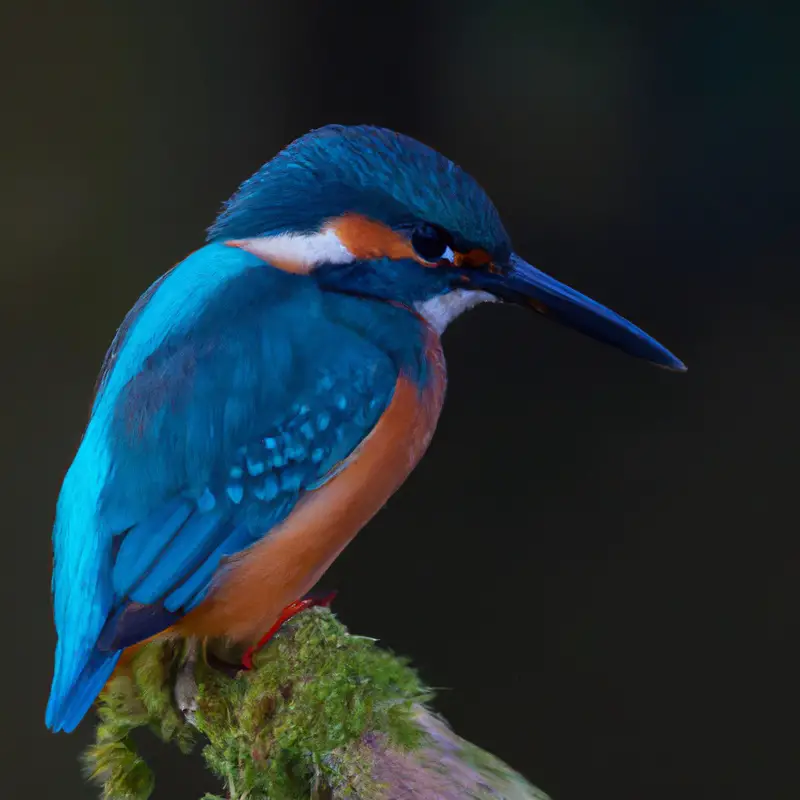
[597, 561]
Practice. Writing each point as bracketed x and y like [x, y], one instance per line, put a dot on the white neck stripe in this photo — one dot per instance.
[306, 250]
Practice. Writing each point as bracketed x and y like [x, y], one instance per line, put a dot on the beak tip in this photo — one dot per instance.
[671, 363]
[544, 294]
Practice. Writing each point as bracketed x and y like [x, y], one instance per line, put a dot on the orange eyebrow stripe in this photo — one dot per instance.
[367, 239]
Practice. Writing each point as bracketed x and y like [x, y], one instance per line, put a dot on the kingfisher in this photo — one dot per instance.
[265, 397]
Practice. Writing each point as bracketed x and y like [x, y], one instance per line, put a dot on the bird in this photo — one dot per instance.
[265, 397]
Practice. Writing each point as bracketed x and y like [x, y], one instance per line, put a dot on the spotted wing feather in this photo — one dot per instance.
[231, 394]
[170, 559]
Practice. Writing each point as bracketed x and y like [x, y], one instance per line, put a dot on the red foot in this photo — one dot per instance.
[293, 608]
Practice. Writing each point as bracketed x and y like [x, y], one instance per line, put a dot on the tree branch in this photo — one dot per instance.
[323, 714]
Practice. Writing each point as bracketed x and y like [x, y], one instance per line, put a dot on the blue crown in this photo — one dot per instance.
[367, 170]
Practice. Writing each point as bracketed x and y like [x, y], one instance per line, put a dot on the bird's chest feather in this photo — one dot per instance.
[255, 585]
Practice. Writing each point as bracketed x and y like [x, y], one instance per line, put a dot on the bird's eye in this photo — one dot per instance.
[431, 243]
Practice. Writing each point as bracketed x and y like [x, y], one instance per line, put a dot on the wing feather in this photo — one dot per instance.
[228, 394]
[259, 459]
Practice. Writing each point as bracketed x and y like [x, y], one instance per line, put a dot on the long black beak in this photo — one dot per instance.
[524, 284]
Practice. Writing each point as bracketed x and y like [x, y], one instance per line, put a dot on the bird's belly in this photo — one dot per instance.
[254, 587]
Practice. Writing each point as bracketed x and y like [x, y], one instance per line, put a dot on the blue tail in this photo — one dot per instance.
[68, 705]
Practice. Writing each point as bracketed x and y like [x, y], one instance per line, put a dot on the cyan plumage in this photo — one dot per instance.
[265, 396]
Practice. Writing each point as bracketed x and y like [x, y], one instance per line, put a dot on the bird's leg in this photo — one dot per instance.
[309, 601]
[185, 683]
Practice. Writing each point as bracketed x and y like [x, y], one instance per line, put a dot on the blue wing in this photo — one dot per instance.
[228, 395]
[164, 565]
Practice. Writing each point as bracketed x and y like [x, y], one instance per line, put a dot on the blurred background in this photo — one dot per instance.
[597, 562]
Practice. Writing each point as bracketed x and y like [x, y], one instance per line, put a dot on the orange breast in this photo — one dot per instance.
[283, 566]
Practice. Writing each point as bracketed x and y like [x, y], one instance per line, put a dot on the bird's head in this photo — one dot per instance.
[374, 213]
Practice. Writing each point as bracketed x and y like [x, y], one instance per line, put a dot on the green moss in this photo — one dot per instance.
[143, 699]
[322, 716]
[278, 731]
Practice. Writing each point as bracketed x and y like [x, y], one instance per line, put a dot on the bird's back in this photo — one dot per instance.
[233, 390]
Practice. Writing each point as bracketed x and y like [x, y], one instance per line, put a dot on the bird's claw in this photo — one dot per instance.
[310, 601]
[185, 690]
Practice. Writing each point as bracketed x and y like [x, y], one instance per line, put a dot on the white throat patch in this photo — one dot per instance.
[440, 311]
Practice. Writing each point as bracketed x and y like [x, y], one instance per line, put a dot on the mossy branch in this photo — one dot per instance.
[323, 715]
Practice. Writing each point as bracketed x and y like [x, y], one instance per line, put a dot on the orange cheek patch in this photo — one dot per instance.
[367, 239]
[473, 258]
